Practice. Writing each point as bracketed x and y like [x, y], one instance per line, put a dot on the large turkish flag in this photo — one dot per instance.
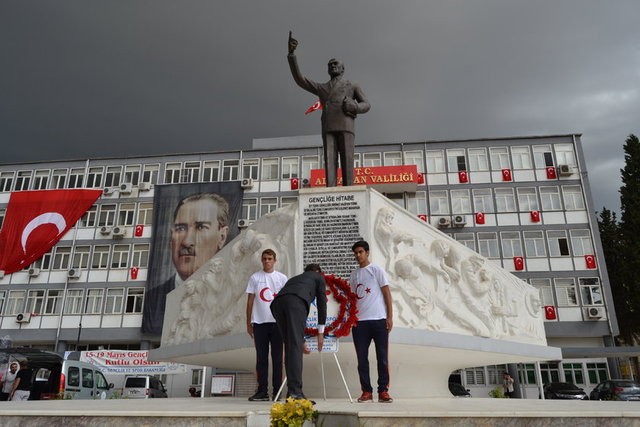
[37, 220]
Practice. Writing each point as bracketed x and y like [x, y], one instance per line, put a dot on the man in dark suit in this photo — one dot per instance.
[290, 308]
[342, 101]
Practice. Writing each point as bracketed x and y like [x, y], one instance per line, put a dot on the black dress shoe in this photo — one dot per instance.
[259, 397]
[300, 397]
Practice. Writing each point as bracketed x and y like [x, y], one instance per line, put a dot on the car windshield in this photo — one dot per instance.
[136, 382]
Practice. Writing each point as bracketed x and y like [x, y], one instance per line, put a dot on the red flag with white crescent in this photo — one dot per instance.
[316, 106]
[37, 220]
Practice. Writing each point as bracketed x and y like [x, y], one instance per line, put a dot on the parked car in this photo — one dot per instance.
[458, 390]
[143, 387]
[616, 390]
[564, 391]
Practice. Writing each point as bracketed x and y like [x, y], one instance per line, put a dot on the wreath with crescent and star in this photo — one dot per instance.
[347, 313]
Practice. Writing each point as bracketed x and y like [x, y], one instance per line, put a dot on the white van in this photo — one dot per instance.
[143, 387]
[81, 380]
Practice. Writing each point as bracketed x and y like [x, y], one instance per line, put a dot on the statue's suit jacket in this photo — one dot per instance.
[332, 95]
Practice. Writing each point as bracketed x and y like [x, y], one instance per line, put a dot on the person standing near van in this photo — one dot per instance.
[263, 286]
[22, 385]
[7, 381]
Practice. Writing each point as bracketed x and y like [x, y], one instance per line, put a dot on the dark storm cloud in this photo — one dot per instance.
[95, 78]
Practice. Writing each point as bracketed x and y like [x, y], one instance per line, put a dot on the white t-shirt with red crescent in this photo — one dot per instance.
[265, 286]
[366, 283]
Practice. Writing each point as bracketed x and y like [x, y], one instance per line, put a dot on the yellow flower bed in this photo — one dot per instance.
[292, 413]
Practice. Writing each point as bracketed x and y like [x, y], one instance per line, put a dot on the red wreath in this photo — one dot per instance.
[347, 314]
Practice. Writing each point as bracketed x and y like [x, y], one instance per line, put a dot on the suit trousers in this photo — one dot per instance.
[265, 335]
[290, 312]
[341, 143]
[365, 332]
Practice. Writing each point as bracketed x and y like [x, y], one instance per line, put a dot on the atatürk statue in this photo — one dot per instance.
[342, 101]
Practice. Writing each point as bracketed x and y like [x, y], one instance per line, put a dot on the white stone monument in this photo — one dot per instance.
[452, 308]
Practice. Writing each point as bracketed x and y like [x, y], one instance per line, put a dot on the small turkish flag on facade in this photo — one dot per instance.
[295, 183]
[134, 272]
[550, 312]
[535, 216]
[551, 172]
[463, 177]
[316, 106]
[518, 263]
[480, 218]
[506, 174]
[420, 178]
[590, 260]
[423, 217]
[137, 232]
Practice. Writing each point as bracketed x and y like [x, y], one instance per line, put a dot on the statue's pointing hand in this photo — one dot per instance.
[293, 44]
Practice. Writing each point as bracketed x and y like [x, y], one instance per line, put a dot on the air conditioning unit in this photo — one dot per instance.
[34, 272]
[305, 182]
[459, 221]
[243, 223]
[595, 312]
[125, 188]
[444, 222]
[145, 186]
[104, 230]
[565, 170]
[108, 191]
[73, 273]
[23, 317]
[117, 232]
[246, 183]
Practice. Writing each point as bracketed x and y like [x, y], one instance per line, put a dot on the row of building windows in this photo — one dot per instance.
[77, 301]
[96, 257]
[276, 168]
[576, 373]
[589, 292]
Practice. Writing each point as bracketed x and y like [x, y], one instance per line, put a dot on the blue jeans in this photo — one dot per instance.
[365, 332]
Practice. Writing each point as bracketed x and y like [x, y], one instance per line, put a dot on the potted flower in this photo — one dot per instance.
[293, 413]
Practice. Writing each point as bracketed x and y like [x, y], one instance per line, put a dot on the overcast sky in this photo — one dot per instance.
[87, 78]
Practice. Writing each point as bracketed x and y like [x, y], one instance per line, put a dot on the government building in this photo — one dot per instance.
[522, 202]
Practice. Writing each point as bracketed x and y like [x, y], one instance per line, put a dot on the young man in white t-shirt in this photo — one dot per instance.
[375, 320]
[263, 286]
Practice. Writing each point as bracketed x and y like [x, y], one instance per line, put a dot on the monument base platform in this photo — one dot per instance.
[227, 411]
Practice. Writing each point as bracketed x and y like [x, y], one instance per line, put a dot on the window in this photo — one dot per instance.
[88, 220]
[101, 381]
[35, 301]
[482, 200]
[309, 163]
[558, 243]
[456, 160]
[527, 199]
[54, 301]
[250, 209]
[100, 258]
[460, 202]
[3, 213]
[534, 244]
[2, 301]
[126, 214]
[478, 160]
[196, 376]
[268, 204]
[87, 377]
[545, 289]
[94, 178]
[467, 239]
[550, 197]
[414, 158]
[76, 178]
[590, 291]
[505, 201]
[573, 373]
[73, 303]
[289, 167]
[81, 257]
[6, 181]
[393, 158]
[15, 302]
[438, 202]
[270, 169]
[435, 161]
[417, 202]
[371, 159]
[250, 168]
[573, 200]
[107, 216]
[135, 296]
[565, 154]
[73, 377]
[191, 172]
[115, 300]
[581, 242]
[499, 158]
[140, 256]
[120, 257]
[172, 173]
[566, 293]
[511, 244]
[150, 173]
[475, 376]
[41, 180]
[94, 301]
[211, 171]
[230, 170]
[527, 373]
[44, 263]
[62, 258]
[496, 374]
[132, 174]
[23, 180]
[597, 372]
[550, 373]
[145, 214]
[58, 178]
[542, 156]
[286, 201]
[488, 245]
[112, 177]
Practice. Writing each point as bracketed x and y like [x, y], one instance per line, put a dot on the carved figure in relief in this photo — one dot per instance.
[389, 237]
[474, 288]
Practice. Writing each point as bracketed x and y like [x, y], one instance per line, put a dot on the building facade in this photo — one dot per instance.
[523, 202]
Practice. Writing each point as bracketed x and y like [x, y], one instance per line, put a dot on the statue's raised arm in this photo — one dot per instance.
[293, 44]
